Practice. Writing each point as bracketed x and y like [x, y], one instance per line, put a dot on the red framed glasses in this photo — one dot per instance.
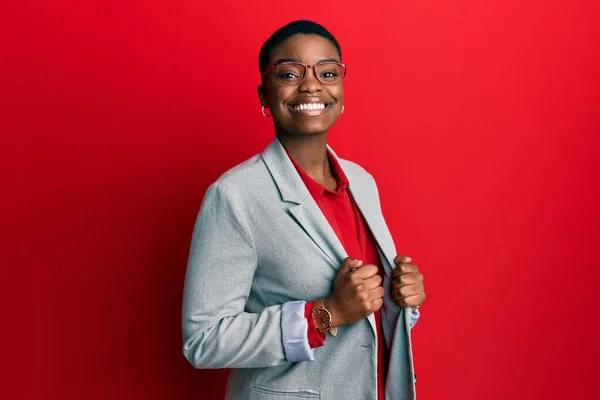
[294, 73]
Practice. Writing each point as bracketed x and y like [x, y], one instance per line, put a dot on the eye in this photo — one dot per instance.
[329, 72]
[287, 75]
[329, 75]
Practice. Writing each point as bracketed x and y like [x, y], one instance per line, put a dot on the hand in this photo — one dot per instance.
[357, 292]
[407, 288]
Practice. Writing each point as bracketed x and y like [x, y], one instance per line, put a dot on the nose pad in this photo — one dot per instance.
[310, 83]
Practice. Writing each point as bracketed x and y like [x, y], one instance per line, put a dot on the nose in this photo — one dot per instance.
[310, 84]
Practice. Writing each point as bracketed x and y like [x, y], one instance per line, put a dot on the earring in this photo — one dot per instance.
[342, 109]
[264, 113]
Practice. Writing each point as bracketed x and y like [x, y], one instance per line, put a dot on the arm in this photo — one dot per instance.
[217, 332]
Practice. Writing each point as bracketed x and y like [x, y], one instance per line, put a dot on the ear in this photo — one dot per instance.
[261, 95]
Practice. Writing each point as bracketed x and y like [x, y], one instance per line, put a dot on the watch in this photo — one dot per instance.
[322, 318]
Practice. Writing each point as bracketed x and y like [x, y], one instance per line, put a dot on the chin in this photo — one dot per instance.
[311, 128]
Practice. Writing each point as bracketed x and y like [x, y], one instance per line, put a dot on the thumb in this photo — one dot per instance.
[402, 259]
[349, 265]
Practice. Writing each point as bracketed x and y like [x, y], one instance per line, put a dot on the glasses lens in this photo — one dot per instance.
[291, 72]
[329, 72]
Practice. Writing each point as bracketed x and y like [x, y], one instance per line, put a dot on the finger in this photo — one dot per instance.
[406, 280]
[376, 293]
[404, 269]
[405, 291]
[402, 259]
[408, 268]
[366, 271]
[376, 304]
[412, 301]
[349, 264]
[373, 282]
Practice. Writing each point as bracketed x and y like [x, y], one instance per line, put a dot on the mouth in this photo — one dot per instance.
[310, 109]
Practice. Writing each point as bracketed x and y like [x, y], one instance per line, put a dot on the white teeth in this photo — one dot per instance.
[309, 106]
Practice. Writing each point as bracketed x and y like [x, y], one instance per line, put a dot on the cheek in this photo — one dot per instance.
[279, 95]
[338, 94]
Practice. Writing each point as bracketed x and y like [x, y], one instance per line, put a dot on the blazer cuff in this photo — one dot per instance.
[414, 317]
[294, 332]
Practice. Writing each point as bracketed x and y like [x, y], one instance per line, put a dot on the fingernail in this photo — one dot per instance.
[407, 259]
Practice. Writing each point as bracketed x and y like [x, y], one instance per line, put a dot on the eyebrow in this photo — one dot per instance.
[284, 60]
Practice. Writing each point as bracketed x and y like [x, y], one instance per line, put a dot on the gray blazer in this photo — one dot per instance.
[260, 241]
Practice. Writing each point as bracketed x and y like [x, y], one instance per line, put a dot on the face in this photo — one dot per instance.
[287, 102]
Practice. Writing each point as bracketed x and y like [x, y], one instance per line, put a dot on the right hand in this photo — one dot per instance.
[357, 292]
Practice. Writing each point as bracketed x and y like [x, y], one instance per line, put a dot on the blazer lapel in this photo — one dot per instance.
[303, 209]
[379, 233]
[370, 212]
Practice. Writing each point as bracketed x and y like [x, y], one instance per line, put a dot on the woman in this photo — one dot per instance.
[293, 279]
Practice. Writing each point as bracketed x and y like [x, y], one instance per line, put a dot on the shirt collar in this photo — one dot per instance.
[316, 189]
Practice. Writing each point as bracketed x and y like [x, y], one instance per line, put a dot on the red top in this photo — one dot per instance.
[345, 218]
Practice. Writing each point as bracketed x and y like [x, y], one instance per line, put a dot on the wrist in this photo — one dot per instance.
[329, 304]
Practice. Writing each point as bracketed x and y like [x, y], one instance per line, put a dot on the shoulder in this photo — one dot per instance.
[242, 185]
[243, 176]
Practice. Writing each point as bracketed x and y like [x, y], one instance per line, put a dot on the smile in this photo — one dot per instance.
[310, 106]
[310, 109]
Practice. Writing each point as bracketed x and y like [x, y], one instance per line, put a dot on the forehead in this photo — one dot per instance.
[309, 49]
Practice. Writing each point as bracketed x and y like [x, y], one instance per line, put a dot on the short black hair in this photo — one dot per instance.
[291, 29]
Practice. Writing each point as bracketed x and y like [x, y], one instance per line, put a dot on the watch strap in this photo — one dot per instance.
[320, 304]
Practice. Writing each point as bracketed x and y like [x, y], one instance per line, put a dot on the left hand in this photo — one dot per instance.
[407, 288]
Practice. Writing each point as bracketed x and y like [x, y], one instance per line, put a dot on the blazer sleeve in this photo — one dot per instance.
[217, 332]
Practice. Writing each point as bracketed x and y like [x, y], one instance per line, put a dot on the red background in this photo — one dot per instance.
[479, 119]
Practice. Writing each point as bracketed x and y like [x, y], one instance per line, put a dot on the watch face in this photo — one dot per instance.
[322, 318]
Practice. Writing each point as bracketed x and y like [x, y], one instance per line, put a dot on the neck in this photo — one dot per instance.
[310, 152]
